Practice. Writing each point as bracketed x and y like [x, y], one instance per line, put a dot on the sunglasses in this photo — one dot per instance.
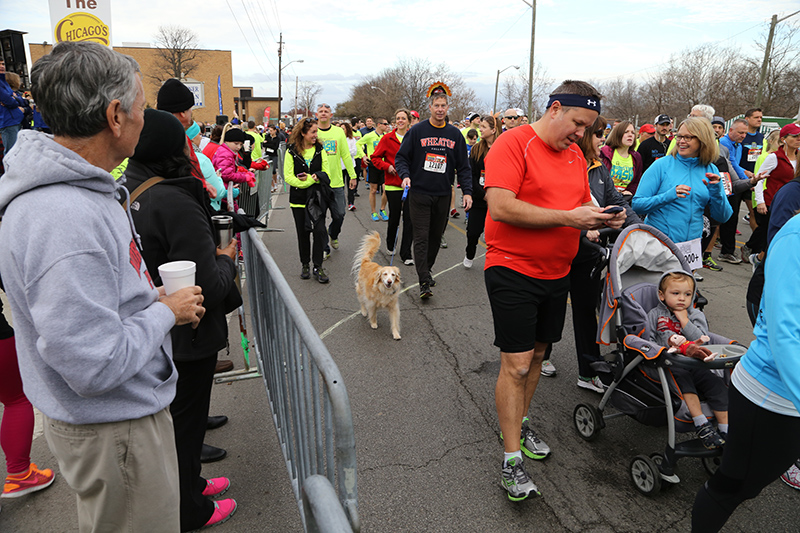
[599, 134]
[310, 120]
[383, 123]
[510, 118]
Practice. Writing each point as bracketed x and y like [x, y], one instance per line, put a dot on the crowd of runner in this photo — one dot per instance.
[686, 177]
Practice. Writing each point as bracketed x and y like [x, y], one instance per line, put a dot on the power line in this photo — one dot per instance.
[248, 42]
[508, 29]
[257, 35]
[264, 17]
[277, 15]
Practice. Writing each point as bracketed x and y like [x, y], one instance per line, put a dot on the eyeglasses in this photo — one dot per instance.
[687, 138]
[599, 134]
[510, 118]
[320, 106]
[383, 123]
[310, 120]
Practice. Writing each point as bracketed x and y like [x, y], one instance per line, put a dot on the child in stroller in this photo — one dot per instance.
[638, 373]
[672, 322]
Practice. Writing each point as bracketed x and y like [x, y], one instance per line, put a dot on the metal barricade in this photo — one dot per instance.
[307, 396]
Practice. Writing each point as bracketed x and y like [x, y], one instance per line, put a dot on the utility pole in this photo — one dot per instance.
[532, 4]
[768, 49]
[280, 53]
[296, 84]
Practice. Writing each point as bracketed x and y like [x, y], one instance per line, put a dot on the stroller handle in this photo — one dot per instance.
[681, 361]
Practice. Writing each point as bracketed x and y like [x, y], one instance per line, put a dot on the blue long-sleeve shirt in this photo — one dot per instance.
[772, 358]
[734, 155]
[680, 218]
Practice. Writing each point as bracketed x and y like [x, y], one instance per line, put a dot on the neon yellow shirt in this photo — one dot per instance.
[334, 141]
[621, 170]
[368, 143]
[294, 181]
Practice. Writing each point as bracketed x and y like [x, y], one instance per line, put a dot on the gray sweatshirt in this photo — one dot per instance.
[92, 339]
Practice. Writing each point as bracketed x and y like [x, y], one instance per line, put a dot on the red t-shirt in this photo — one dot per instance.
[539, 175]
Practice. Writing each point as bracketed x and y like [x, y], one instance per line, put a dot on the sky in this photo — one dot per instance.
[341, 42]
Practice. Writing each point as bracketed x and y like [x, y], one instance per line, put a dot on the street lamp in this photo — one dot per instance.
[280, 69]
[381, 90]
[497, 84]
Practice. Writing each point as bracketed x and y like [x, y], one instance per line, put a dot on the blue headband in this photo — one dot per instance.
[574, 100]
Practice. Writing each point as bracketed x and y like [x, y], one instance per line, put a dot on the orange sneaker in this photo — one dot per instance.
[21, 484]
[223, 510]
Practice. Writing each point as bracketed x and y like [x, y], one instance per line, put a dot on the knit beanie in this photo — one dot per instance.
[162, 136]
[234, 135]
[193, 130]
[174, 97]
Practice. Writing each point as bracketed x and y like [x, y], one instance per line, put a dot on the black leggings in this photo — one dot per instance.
[761, 445]
[475, 226]
[398, 208]
[307, 253]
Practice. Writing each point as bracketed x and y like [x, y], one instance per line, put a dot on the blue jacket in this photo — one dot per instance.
[10, 113]
[735, 155]
[772, 359]
[680, 218]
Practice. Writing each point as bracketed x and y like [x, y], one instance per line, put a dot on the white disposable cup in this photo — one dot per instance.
[732, 350]
[177, 275]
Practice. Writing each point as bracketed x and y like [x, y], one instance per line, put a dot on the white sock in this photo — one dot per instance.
[511, 455]
[699, 420]
[723, 427]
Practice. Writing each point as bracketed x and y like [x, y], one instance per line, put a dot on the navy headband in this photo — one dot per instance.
[575, 100]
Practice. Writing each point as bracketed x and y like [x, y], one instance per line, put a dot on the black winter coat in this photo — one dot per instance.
[173, 219]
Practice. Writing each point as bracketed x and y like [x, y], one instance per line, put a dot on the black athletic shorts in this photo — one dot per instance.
[525, 310]
[374, 175]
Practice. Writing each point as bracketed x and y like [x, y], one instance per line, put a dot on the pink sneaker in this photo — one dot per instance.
[27, 482]
[223, 510]
[216, 487]
[792, 477]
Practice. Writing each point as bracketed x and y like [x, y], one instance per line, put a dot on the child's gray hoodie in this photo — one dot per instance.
[92, 339]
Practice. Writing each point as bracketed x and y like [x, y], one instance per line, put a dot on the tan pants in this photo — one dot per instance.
[125, 474]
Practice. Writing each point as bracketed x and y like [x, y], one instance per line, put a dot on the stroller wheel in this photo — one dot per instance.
[645, 475]
[587, 421]
[711, 464]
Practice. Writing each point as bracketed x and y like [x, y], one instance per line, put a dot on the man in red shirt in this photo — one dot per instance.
[539, 200]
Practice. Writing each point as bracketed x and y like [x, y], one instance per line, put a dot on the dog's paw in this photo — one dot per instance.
[396, 336]
[374, 326]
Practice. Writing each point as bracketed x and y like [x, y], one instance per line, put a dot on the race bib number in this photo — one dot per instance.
[483, 178]
[435, 163]
[692, 252]
[726, 183]
[753, 153]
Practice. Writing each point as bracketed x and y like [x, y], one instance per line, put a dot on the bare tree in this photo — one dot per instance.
[307, 94]
[514, 90]
[177, 54]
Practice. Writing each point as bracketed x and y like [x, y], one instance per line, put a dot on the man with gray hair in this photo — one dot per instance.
[727, 231]
[92, 331]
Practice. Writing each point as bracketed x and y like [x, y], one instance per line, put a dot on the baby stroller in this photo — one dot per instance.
[637, 373]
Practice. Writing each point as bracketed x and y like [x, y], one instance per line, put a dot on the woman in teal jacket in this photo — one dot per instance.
[676, 189]
[764, 399]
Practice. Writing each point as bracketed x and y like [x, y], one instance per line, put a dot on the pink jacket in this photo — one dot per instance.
[225, 161]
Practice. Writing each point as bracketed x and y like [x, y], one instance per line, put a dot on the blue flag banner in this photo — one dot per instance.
[219, 94]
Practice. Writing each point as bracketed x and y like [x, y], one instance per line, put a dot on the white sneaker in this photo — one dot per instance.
[593, 384]
[548, 369]
[792, 477]
[408, 262]
[389, 251]
[467, 263]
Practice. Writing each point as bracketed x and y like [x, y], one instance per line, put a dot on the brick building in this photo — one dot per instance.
[211, 63]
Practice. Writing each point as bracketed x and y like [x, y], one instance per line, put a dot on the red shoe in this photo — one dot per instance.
[454, 213]
[27, 482]
[223, 510]
[216, 487]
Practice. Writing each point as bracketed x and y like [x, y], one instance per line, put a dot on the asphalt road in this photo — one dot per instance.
[427, 437]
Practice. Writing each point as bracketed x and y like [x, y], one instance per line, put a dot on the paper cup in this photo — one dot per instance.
[177, 275]
[732, 350]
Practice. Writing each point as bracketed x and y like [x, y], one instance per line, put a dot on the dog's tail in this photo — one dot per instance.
[370, 245]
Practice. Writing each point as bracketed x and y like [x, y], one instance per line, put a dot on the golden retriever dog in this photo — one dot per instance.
[376, 286]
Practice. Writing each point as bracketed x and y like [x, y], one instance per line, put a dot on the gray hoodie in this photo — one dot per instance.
[92, 339]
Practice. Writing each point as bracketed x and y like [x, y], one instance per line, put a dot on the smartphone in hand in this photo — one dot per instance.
[613, 209]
